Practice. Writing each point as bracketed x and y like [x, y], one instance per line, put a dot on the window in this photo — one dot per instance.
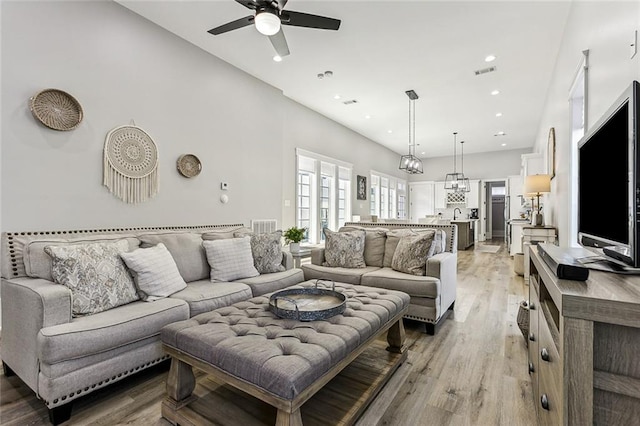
[402, 200]
[578, 105]
[323, 194]
[375, 192]
[388, 196]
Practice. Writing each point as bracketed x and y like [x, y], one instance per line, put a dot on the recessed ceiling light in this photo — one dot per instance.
[504, 144]
[336, 97]
[495, 92]
[422, 153]
[367, 116]
[389, 131]
[498, 114]
[490, 58]
[277, 58]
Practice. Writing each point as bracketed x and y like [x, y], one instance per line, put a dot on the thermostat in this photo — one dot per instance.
[224, 186]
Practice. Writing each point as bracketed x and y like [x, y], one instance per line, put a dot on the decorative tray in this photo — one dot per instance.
[189, 165]
[56, 109]
[308, 304]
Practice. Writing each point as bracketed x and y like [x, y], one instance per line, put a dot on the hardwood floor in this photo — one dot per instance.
[472, 372]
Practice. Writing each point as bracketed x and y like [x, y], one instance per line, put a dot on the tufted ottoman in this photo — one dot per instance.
[282, 362]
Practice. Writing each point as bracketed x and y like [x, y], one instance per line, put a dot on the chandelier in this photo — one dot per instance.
[410, 163]
[453, 180]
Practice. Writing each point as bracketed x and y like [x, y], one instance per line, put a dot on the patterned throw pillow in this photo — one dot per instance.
[411, 253]
[267, 252]
[95, 274]
[155, 272]
[230, 259]
[344, 249]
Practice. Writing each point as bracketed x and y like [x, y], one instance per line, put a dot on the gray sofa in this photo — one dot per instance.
[432, 295]
[61, 357]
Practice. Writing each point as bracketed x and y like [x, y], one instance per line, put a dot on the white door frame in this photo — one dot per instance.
[485, 213]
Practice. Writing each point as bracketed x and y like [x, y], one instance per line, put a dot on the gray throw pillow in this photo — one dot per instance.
[267, 252]
[344, 249]
[230, 259]
[185, 249]
[95, 274]
[393, 238]
[374, 243]
[412, 252]
[154, 271]
[439, 240]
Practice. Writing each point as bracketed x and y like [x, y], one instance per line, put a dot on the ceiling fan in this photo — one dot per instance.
[269, 17]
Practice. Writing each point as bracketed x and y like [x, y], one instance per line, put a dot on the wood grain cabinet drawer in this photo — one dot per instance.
[550, 402]
[534, 353]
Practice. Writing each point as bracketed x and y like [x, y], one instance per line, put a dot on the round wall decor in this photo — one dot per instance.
[131, 164]
[189, 165]
[56, 109]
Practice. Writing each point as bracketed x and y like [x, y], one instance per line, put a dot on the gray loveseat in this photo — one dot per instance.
[432, 295]
[61, 357]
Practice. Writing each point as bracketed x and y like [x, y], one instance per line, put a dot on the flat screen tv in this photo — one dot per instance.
[609, 183]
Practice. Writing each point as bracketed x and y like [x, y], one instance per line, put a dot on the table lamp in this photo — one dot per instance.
[536, 185]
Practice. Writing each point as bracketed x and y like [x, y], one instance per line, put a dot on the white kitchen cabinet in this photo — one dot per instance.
[421, 199]
[440, 195]
[473, 196]
[515, 234]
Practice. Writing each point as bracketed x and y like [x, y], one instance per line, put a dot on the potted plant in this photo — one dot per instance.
[293, 236]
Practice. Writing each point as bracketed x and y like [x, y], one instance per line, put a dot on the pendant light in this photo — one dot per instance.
[463, 184]
[452, 180]
[410, 163]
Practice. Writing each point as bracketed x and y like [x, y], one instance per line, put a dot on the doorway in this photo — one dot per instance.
[495, 205]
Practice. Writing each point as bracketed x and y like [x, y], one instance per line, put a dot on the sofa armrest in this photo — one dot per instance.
[29, 305]
[445, 267]
[317, 256]
[287, 260]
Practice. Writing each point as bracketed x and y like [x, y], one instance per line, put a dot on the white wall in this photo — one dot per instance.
[122, 67]
[605, 29]
[487, 165]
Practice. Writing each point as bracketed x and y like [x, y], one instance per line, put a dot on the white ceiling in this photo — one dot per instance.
[384, 48]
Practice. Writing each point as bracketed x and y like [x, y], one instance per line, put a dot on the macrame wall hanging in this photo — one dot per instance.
[131, 164]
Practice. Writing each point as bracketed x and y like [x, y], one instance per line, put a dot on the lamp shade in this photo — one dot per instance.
[267, 23]
[537, 184]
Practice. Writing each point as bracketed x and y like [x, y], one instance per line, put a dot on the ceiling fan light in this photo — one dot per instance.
[267, 23]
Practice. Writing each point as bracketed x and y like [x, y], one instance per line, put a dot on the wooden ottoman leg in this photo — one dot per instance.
[180, 385]
[289, 419]
[395, 338]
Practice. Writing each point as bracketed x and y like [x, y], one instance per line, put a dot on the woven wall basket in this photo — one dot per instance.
[131, 164]
[189, 165]
[56, 109]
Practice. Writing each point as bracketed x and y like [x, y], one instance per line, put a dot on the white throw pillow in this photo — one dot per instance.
[155, 272]
[230, 259]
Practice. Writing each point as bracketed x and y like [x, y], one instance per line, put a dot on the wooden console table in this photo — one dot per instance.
[584, 347]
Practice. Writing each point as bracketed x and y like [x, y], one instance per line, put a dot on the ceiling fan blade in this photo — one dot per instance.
[279, 43]
[250, 4]
[234, 25]
[299, 19]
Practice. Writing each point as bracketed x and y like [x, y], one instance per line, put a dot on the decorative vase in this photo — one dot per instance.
[294, 247]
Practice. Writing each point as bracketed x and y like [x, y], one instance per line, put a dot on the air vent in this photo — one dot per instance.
[485, 70]
[349, 102]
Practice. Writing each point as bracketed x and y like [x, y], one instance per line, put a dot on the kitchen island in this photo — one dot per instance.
[466, 232]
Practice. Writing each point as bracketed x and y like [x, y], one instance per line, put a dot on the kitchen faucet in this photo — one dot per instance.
[454, 212]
